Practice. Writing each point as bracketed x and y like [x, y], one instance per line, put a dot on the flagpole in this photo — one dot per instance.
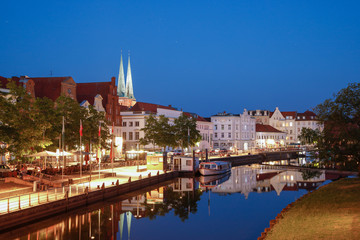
[112, 149]
[81, 159]
[99, 146]
[62, 146]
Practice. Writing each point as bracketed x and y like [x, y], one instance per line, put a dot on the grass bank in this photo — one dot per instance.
[331, 212]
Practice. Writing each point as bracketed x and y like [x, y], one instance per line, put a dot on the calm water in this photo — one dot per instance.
[235, 206]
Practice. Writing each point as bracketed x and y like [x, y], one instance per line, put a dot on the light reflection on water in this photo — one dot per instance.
[232, 206]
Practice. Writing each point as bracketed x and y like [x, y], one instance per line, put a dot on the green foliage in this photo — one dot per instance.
[161, 132]
[309, 136]
[339, 143]
[31, 125]
[184, 126]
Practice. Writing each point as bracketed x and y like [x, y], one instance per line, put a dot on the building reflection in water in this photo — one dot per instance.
[114, 221]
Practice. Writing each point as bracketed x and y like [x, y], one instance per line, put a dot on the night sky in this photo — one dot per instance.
[202, 56]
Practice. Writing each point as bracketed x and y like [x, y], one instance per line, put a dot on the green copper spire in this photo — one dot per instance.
[129, 86]
[121, 80]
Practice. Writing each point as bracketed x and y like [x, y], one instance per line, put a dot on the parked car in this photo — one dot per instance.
[4, 169]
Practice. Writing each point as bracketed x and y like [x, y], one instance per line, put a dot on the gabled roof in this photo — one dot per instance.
[49, 87]
[292, 114]
[266, 128]
[150, 107]
[88, 91]
[197, 117]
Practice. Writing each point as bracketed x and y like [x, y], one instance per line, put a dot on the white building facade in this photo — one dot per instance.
[234, 131]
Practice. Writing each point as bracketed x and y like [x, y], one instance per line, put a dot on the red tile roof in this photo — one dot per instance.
[285, 114]
[306, 116]
[88, 91]
[266, 128]
[49, 87]
[150, 107]
[198, 118]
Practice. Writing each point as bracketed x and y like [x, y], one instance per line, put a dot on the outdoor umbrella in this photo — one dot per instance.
[43, 154]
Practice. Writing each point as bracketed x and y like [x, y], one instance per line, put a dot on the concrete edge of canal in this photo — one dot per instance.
[28, 215]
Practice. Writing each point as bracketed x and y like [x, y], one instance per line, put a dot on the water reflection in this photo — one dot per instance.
[181, 200]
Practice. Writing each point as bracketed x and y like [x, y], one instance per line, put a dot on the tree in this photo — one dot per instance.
[186, 134]
[21, 126]
[309, 136]
[158, 131]
[339, 142]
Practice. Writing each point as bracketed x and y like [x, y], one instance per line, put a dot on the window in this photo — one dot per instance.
[237, 126]
[130, 124]
[215, 127]
[229, 127]
[124, 124]
[137, 124]
[188, 162]
[229, 135]
[124, 135]
[215, 135]
[290, 124]
[222, 135]
[130, 136]
[137, 135]
[222, 127]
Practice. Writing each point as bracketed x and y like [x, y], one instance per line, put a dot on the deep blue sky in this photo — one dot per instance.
[202, 56]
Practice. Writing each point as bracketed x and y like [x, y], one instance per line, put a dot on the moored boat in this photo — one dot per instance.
[214, 168]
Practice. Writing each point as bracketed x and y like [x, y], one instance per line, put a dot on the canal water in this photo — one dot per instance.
[238, 205]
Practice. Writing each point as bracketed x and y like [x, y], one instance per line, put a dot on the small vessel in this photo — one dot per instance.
[214, 168]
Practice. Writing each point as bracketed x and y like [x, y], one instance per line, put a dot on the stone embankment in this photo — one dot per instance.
[24, 216]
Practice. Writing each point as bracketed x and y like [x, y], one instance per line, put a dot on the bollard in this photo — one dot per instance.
[19, 203]
[129, 179]
[103, 186]
[140, 176]
[149, 175]
[8, 205]
[158, 173]
[47, 195]
[117, 182]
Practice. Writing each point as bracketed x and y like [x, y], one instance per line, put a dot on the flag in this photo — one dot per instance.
[99, 129]
[81, 128]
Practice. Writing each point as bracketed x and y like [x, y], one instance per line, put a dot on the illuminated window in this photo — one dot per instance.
[137, 135]
[124, 124]
[130, 124]
[137, 124]
[124, 135]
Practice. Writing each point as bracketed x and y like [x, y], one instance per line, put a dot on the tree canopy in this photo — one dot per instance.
[30, 125]
[339, 143]
[160, 131]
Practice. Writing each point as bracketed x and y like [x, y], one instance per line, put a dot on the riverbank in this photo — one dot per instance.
[331, 212]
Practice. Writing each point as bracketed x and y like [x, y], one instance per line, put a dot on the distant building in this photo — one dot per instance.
[307, 119]
[269, 137]
[234, 131]
[205, 127]
[103, 96]
[285, 122]
[261, 116]
[134, 119]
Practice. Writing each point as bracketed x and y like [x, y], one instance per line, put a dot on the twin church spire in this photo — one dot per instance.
[123, 90]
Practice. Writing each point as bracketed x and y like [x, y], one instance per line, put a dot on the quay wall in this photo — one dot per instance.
[28, 215]
[258, 158]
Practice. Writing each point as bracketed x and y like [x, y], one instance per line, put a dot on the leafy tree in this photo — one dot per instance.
[158, 131]
[20, 126]
[339, 142]
[186, 134]
[309, 136]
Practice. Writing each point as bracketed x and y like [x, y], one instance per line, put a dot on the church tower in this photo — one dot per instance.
[125, 92]
[121, 79]
[129, 86]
